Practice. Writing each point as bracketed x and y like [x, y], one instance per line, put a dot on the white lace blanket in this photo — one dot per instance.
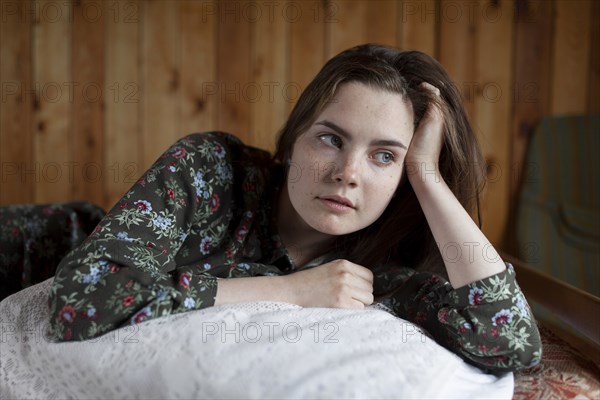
[251, 350]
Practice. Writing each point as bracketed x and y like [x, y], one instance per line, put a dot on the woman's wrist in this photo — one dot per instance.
[423, 172]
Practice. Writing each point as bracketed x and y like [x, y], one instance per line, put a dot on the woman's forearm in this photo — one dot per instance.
[338, 284]
[468, 255]
[258, 288]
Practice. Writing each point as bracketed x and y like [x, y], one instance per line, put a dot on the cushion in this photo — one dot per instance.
[254, 350]
[34, 238]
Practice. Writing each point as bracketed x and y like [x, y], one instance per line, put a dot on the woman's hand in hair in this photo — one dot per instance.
[337, 284]
[426, 145]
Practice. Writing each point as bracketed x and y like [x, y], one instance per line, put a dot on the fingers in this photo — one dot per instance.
[355, 269]
[359, 279]
[339, 284]
[364, 297]
[426, 86]
[434, 108]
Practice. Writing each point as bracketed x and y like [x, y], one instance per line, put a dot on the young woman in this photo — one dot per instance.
[369, 190]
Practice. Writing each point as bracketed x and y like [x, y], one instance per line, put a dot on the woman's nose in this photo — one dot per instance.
[346, 171]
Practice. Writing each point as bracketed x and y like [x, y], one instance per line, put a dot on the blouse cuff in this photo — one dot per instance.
[201, 290]
[487, 290]
[492, 325]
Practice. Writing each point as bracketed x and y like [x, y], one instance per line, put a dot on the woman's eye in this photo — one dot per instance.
[332, 140]
[384, 157]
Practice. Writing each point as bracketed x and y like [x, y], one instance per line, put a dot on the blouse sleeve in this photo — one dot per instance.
[125, 271]
[488, 322]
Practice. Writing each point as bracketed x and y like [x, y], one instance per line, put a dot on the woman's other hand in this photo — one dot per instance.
[426, 145]
[337, 284]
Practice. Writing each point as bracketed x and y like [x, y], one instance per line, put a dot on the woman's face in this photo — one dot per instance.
[346, 167]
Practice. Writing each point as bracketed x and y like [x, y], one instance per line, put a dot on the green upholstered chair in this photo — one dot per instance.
[558, 217]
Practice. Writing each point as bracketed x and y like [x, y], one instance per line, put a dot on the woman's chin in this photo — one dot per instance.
[333, 228]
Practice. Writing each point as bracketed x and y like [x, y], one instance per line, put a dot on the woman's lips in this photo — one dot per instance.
[337, 203]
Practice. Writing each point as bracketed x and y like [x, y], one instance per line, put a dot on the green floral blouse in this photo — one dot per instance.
[204, 211]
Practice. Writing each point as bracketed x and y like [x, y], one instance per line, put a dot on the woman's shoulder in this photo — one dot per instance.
[214, 136]
[224, 138]
[225, 146]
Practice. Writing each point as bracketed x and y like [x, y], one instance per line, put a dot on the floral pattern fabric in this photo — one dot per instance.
[488, 323]
[204, 211]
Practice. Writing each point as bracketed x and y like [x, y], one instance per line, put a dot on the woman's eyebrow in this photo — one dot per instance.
[342, 132]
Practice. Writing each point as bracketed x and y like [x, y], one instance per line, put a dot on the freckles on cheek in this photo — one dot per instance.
[390, 192]
[394, 183]
[299, 189]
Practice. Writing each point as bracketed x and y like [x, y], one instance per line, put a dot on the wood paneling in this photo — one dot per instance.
[571, 57]
[350, 27]
[355, 22]
[266, 91]
[534, 25]
[169, 68]
[161, 77]
[307, 49]
[594, 79]
[88, 114]
[418, 22]
[385, 30]
[53, 119]
[234, 66]
[122, 100]
[16, 103]
[458, 47]
[198, 67]
[492, 91]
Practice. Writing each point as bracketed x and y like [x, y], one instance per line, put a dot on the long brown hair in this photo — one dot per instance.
[401, 235]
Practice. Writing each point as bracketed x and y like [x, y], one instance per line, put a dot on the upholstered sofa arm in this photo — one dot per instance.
[35, 237]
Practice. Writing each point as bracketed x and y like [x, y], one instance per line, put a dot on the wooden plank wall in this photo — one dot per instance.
[93, 91]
